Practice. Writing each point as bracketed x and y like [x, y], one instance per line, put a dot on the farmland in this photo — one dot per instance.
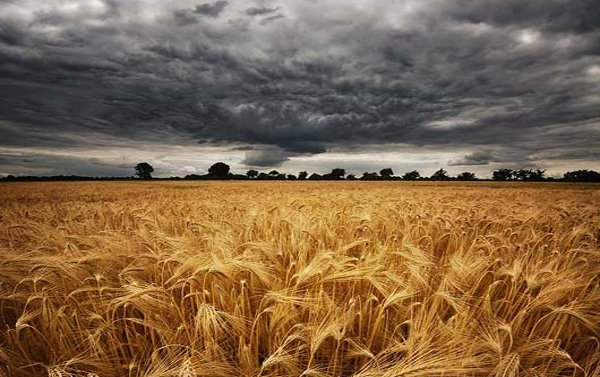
[299, 278]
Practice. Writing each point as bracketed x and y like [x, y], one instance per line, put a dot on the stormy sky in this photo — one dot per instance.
[92, 87]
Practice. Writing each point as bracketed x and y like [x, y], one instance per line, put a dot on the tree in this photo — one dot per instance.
[503, 174]
[440, 175]
[144, 170]
[314, 177]
[369, 176]
[252, 173]
[220, 169]
[274, 173]
[521, 174]
[193, 176]
[338, 173]
[538, 175]
[466, 176]
[411, 175]
[335, 174]
[351, 177]
[530, 174]
[386, 173]
[582, 176]
[291, 177]
[302, 175]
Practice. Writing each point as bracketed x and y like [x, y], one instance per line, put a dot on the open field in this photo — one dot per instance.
[299, 278]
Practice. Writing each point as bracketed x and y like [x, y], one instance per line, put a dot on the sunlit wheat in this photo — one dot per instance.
[361, 279]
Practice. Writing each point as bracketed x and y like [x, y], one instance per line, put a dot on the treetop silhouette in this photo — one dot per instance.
[144, 170]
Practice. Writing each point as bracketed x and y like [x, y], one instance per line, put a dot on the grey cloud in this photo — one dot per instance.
[264, 157]
[261, 11]
[11, 35]
[243, 148]
[554, 15]
[212, 10]
[509, 156]
[272, 18]
[185, 17]
[50, 18]
[44, 164]
[475, 158]
[575, 154]
[190, 16]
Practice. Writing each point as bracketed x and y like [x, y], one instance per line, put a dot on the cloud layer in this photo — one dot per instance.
[500, 81]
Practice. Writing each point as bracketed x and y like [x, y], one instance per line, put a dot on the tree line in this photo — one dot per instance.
[222, 171]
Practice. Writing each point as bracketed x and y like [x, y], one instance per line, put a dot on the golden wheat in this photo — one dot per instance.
[361, 279]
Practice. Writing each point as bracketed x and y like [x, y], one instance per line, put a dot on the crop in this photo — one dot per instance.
[307, 279]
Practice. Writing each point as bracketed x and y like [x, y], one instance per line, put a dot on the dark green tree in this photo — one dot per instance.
[466, 176]
[252, 173]
[537, 175]
[220, 170]
[386, 173]
[338, 173]
[335, 174]
[529, 174]
[582, 176]
[440, 175]
[411, 176]
[144, 170]
[521, 175]
[503, 175]
[369, 176]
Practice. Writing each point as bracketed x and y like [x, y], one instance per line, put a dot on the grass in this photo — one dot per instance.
[299, 279]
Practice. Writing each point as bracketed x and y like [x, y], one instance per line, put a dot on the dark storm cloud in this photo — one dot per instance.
[212, 10]
[554, 15]
[191, 16]
[269, 156]
[506, 81]
[261, 11]
[11, 35]
[510, 156]
[475, 158]
[44, 164]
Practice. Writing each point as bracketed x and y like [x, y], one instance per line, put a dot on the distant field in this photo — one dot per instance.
[299, 278]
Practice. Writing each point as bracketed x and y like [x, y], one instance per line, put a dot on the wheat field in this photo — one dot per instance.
[317, 279]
